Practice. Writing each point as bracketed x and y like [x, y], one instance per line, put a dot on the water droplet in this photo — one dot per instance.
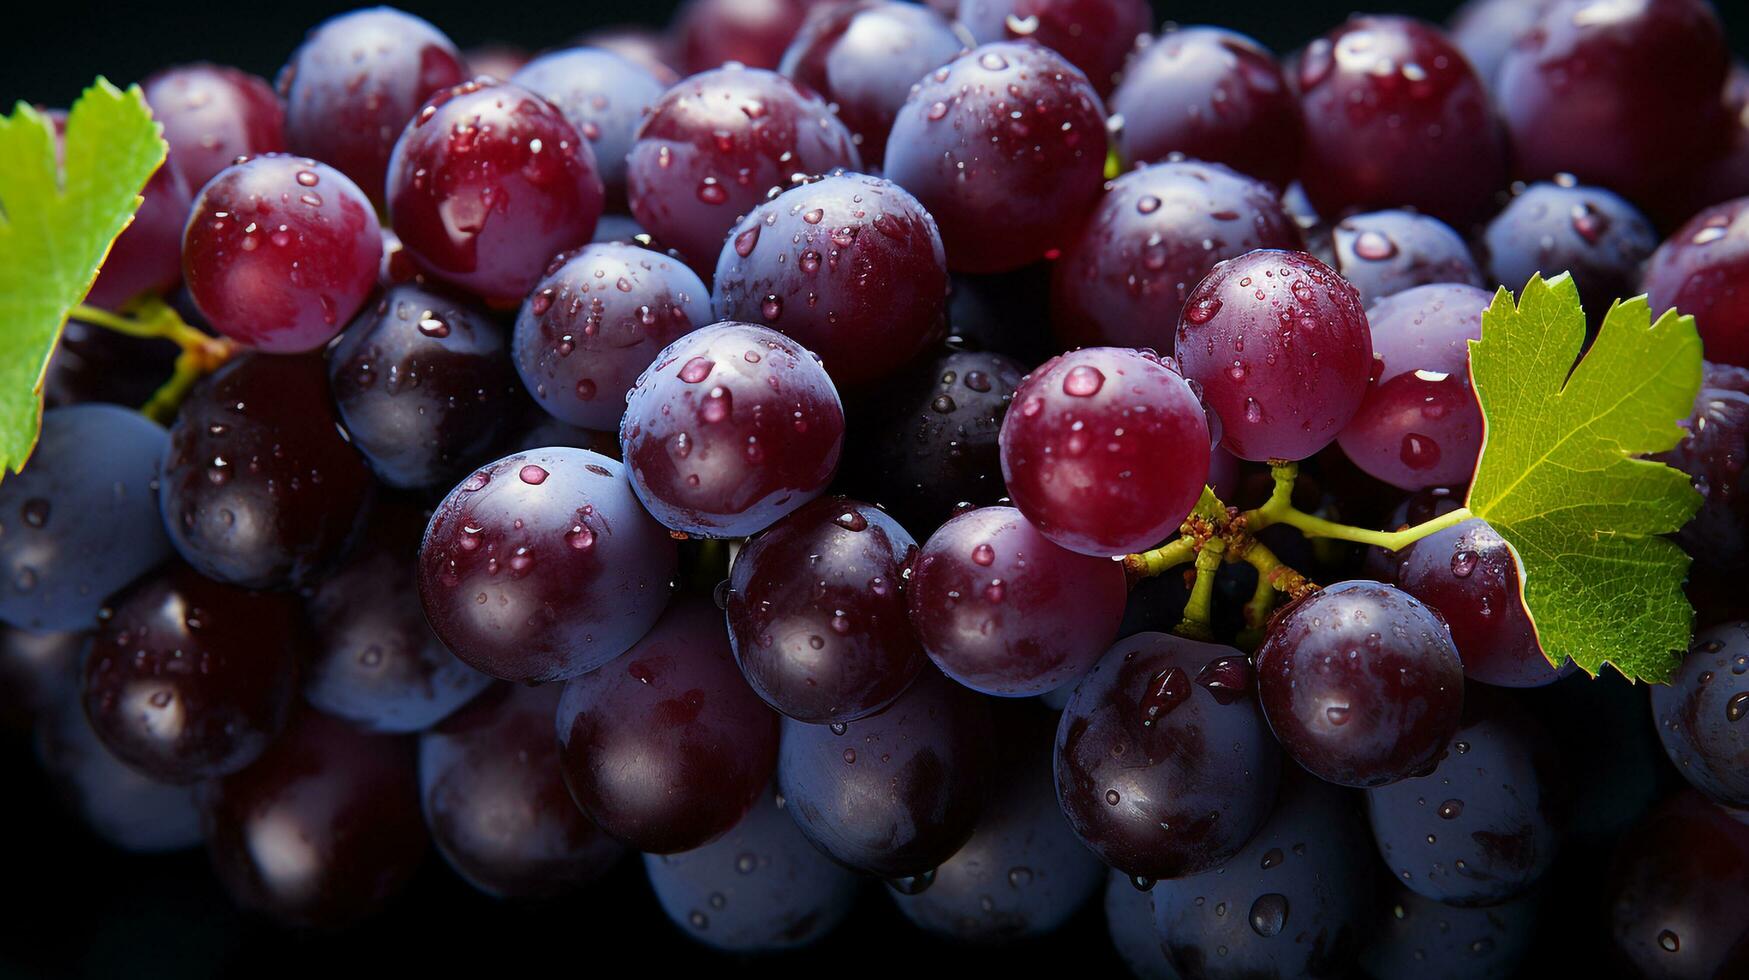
[1737, 707]
[35, 512]
[983, 554]
[913, 884]
[1451, 809]
[1269, 914]
[696, 370]
[1083, 381]
[1669, 941]
[1167, 690]
[532, 475]
[1374, 246]
[1463, 563]
[746, 241]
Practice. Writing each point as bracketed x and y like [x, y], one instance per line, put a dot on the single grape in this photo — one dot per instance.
[80, 520]
[603, 95]
[1153, 236]
[146, 258]
[730, 428]
[259, 487]
[1418, 937]
[1699, 270]
[1096, 36]
[356, 81]
[1005, 146]
[1703, 714]
[280, 252]
[849, 265]
[711, 33]
[189, 679]
[1677, 888]
[36, 670]
[1129, 919]
[213, 114]
[1383, 253]
[541, 566]
[1361, 684]
[1280, 345]
[1484, 30]
[1105, 450]
[1210, 94]
[1562, 227]
[1713, 452]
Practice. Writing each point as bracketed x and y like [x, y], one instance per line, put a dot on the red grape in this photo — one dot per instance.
[1676, 891]
[1703, 270]
[1484, 30]
[1382, 253]
[146, 258]
[1096, 36]
[603, 95]
[710, 33]
[213, 114]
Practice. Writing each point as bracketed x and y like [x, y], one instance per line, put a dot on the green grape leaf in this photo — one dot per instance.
[1561, 481]
[56, 227]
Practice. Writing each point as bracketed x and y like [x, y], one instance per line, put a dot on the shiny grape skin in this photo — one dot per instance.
[1713, 452]
[1002, 610]
[188, 678]
[1214, 95]
[1361, 684]
[1280, 393]
[1703, 714]
[710, 33]
[666, 748]
[259, 487]
[816, 612]
[1004, 190]
[1484, 30]
[323, 830]
[1700, 270]
[424, 386]
[897, 793]
[1105, 450]
[1561, 227]
[1421, 425]
[1164, 765]
[713, 145]
[1129, 919]
[487, 182]
[146, 258]
[495, 804]
[1418, 937]
[1677, 890]
[1383, 253]
[596, 320]
[80, 520]
[849, 265]
[603, 94]
[213, 114]
[1151, 238]
[541, 566]
[1096, 36]
[356, 81]
[1396, 117]
[863, 56]
[760, 888]
[731, 427]
[280, 251]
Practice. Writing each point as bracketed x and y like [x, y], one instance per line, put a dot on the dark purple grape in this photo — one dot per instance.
[96, 364]
[1386, 252]
[760, 888]
[1096, 36]
[1677, 891]
[1361, 684]
[603, 94]
[260, 487]
[731, 427]
[1418, 937]
[147, 257]
[356, 81]
[1152, 237]
[712, 146]
[1006, 189]
[1280, 345]
[541, 566]
[80, 520]
[36, 671]
[816, 612]
[1713, 451]
[711, 33]
[666, 748]
[189, 679]
[1703, 714]
[213, 114]
[897, 793]
[1700, 270]
[849, 265]
[323, 830]
[1210, 94]
[1129, 919]
[1562, 227]
[496, 805]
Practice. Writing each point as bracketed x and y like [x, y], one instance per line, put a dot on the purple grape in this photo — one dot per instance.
[213, 114]
[1096, 36]
[1703, 714]
[603, 95]
[146, 258]
[1561, 227]
[1484, 30]
[711, 33]
[1386, 252]
[1700, 270]
[1129, 918]
[1679, 883]
[1418, 937]
[1713, 452]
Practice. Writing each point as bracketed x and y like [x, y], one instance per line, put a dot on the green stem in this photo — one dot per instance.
[154, 319]
[1199, 611]
[1279, 509]
[1161, 560]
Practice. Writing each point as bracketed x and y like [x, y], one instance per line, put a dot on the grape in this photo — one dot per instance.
[80, 520]
[1420, 425]
[1129, 917]
[1210, 94]
[710, 33]
[1280, 345]
[1361, 683]
[213, 114]
[897, 793]
[1561, 227]
[496, 806]
[1698, 270]
[36, 669]
[666, 749]
[1156, 232]
[359, 78]
[189, 679]
[1105, 450]
[146, 257]
[487, 182]
[423, 384]
[1002, 610]
[759, 888]
[259, 487]
[96, 364]
[1096, 36]
[1727, 176]
[863, 56]
[323, 829]
[1386, 252]
[280, 252]
[541, 566]
[1713, 451]
[849, 265]
[730, 428]
[1677, 891]
[1006, 189]
[816, 615]
[1484, 30]
[712, 146]
[1703, 714]
[603, 95]
[1395, 116]
[1418, 937]
[1293, 903]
